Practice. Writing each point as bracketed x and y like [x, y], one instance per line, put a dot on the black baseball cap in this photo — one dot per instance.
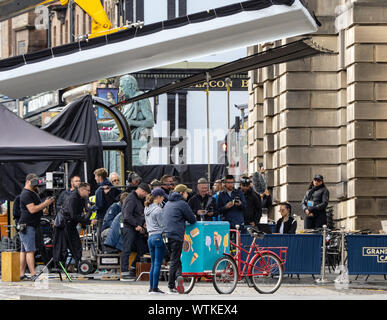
[144, 186]
[318, 177]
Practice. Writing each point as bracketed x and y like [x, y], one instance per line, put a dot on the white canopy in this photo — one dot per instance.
[156, 45]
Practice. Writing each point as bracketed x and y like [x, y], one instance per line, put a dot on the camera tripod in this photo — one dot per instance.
[59, 270]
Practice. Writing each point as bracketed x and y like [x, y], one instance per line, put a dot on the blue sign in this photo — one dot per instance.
[303, 255]
[367, 254]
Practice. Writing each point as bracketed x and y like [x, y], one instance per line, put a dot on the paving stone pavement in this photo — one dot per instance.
[303, 288]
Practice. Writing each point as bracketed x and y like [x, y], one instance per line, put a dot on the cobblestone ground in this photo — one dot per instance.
[303, 288]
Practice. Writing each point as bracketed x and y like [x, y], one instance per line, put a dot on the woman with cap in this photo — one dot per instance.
[315, 203]
[154, 224]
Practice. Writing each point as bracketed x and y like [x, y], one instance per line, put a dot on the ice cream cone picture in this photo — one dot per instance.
[194, 232]
[216, 240]
[219, 240]
[195, 256]
[188, 241]
[208, 242]
[225, 242]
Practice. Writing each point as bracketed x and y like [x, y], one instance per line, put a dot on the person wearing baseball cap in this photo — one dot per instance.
[315, 203]
[154, 224]
[176, 212]
[182, 188]
[133, 231]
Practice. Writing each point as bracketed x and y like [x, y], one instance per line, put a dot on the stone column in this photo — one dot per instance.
[366, 63]
[303, 124]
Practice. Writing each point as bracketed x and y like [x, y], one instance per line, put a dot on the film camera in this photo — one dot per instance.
[55, 180]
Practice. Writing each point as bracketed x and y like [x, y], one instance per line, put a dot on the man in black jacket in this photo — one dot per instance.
[74, 212]
[203, 204]
[75, 181]
[133, 230]
[253, 211]
[315, 203]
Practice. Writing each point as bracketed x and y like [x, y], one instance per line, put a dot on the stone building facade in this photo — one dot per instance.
[328, 114]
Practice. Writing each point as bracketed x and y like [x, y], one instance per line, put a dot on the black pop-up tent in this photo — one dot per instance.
[25, 148]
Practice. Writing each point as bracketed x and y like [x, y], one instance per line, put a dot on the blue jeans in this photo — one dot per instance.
[157, 251]
[27, 240]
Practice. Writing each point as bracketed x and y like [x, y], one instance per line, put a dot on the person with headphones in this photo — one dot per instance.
[31, 210]
[286, 224]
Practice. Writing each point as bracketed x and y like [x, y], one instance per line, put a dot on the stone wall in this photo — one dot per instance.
[327, 114]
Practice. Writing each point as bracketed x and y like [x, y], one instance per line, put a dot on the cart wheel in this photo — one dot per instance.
[267, 273]
[225, 275]
[85, 267]
[189, 283]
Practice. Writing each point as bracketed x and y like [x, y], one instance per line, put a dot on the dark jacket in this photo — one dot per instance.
[16, 209]
[266, 202]
[104, 200]
[111, 213]
[253, 210]
[175, 213]
[133, 211]
[62, 199]
[316, 200]
[73, 210]
[290, 226]
[114, 239]
[235, 214]
[197, 202]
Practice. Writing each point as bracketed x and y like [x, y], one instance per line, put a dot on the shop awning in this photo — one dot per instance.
[184, 38]
[292, 51]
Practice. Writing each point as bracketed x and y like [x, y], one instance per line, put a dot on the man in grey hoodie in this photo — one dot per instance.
[176, 212]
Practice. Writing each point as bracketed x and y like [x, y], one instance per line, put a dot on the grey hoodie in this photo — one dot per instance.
[153, 219]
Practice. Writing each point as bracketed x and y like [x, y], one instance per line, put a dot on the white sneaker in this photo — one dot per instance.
[172, 291]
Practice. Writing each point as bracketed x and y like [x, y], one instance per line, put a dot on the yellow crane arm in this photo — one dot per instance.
[100, 22]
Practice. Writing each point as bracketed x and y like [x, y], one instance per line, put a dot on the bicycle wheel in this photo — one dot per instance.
[189, 283]
[267, 273]
[225, 275]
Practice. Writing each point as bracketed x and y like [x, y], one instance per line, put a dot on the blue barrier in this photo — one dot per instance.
[304, 252]
[367, 254]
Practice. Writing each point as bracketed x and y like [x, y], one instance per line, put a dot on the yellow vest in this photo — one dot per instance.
[94, 214]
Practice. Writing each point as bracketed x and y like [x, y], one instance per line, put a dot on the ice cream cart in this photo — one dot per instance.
[204, 242]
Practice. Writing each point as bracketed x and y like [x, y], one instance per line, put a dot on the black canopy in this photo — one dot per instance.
[21, 141]
[299, 49]
[71, 137]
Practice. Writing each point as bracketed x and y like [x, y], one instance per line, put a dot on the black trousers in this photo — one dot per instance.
[132, 240]
[315, 222]
[174, 247]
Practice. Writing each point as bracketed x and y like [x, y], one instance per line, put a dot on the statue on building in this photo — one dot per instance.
[140, 119]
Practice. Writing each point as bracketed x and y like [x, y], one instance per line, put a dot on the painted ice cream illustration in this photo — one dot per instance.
[187, 244]
[195, 256]
[216, 240]
[194, 232]
[208, 242]
[225, 242]
[219, 241]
